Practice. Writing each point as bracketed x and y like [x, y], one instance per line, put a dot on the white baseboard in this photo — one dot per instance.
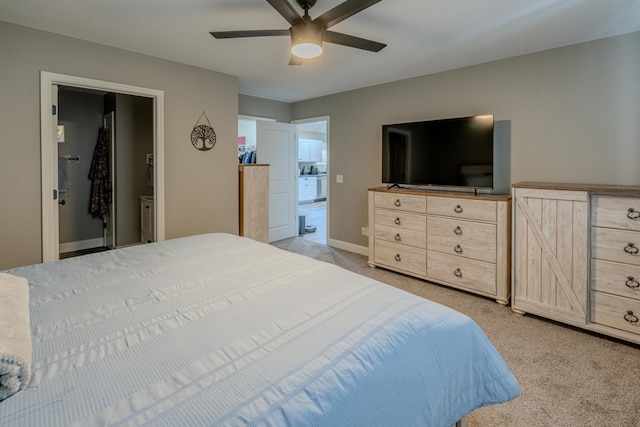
[81, 245]
[346, 246]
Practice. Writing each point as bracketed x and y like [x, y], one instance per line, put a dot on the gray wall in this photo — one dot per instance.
[265, 108]
[573, 114]
[200, 187]
[81, 115]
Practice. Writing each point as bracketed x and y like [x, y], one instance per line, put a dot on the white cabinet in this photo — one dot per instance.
[307, 189]
[309, 150]
[147, 222]
[461, 241]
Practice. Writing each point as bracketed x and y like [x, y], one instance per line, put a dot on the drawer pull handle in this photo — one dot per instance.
[633, 214]
[458, 231]
[631, 249]
[632, 283]
[457, 209]
[397, 203]
[457, 272]
[398, 238]
[630, 317]
[458, 249]
[397, 221]
[397, 257]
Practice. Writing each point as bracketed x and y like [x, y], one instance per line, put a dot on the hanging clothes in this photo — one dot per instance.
[99, 175]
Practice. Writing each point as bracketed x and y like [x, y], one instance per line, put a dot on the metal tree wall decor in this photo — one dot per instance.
[203, 136]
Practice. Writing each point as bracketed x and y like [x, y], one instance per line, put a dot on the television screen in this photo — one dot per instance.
[448, 152]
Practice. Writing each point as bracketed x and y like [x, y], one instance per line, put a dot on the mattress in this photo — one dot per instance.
[220, 330]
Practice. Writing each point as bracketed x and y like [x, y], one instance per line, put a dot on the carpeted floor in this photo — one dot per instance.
[568, 377]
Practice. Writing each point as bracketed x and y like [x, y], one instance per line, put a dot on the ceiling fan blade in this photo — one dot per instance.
[287, 11]
[352, 41]
[294, 60]
[248, 33]
[342, 12]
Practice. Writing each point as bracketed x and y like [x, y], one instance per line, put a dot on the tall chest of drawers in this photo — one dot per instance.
[455, 239]
[615, 263]
[576, 255]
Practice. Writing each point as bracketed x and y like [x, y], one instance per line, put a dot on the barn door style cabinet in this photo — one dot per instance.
[576, 256]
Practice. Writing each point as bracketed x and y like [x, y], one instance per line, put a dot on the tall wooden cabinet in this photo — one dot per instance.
[253, 180]
[550, 267]
[455, 239]
[575, 255]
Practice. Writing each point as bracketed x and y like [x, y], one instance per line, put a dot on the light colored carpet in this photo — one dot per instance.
[568, 377]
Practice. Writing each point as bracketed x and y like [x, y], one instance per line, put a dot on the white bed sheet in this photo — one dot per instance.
[221, 330]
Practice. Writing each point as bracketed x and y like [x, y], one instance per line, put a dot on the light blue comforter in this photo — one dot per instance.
[216, 330]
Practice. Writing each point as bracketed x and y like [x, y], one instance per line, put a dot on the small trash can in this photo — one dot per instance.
[301, 225]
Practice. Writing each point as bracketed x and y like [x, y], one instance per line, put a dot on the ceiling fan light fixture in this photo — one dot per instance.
[306, 50]
[306, 41]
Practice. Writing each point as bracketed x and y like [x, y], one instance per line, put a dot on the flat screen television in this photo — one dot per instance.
[448, 152]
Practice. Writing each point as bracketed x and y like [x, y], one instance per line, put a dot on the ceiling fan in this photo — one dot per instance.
[308, 34]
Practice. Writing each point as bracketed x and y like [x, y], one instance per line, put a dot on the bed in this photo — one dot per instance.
[220, 330]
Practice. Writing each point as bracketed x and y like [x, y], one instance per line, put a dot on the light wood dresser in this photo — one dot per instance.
[576, 255]
[253, 181]
[455, 239]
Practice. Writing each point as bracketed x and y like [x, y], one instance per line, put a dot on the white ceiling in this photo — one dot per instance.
[423, 36]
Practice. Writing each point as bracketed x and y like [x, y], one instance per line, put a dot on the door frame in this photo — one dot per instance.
[327, 120]
[49, 151]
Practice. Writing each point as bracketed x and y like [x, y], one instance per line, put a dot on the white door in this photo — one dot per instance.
[110, 222]
[276, 145]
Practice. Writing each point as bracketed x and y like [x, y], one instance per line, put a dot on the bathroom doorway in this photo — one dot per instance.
[91, 221]
[49, 84]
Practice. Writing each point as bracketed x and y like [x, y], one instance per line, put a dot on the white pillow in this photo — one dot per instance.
[15, 335]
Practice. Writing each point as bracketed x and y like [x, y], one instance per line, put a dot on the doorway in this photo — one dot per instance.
[313, 185]
[95, 155]
[49, 149]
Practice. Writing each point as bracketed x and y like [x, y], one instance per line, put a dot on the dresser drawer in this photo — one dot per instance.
[401, 257]
[462, 272]
[616, 212]
[615, 245]
[403, 202]
[400, 235]
[462, 238]
[616, 312]
[401, 219]
[615, 278]
[478, 210]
